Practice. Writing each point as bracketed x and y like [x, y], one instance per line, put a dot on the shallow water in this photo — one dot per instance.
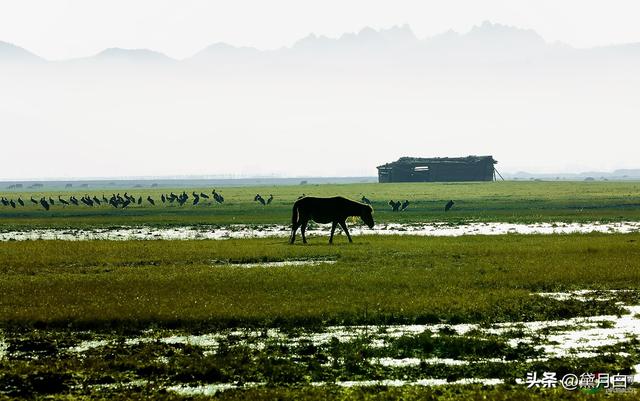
[251, 231]
[581, 337]
[291, 262]
[575, 337]
[211, 389]
[3, 349]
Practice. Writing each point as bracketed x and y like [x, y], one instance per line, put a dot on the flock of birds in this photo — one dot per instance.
[258, 198]
[116, 200]
[125, 200]
[397, 206]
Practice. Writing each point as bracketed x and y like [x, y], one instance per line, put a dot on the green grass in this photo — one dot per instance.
[54, 290]
[485, 201]
[375, 280]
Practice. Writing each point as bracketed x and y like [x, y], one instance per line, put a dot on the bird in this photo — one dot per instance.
[96, 200]
[162, 198]
[270, 199]
[104, 199]
[140, 200]
[448, 206]
[73, 200]
[126, 203]
[64, 202]
[404, 205]
[12, 203]
[394, 205]
[44, 204]
[365, 200]
[51, 201]
[20, 201]
[196, 199]
[203, 195]
[219, 198]
[35, 202]
[260, 199]
[150, 200]
[301, 196]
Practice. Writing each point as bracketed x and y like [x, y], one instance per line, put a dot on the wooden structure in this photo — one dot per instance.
[438, 169]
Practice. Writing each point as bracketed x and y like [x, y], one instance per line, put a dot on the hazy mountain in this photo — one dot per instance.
[222, 52]
[325, 106]
[12, 53]
[397, 37]
[131, 55]
[487, 43]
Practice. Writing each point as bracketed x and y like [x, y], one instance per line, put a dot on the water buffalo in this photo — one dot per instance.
[327, 210]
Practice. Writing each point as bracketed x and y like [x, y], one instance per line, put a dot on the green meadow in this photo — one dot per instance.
[507, 201]
[73, 313]
[377, 279]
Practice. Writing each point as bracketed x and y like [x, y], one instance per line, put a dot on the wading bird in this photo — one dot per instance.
[20, 201]
[150, 200]
[405, 204]
[270, 199]
[394, 205]
[365, 200]
[219, 198]
[260, 199]
[449, 205]
[44, 204]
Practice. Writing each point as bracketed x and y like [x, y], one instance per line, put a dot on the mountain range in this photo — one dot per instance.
[488, 42]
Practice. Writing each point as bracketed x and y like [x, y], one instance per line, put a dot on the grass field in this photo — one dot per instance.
[493, 201]
[375, 280]
[108, 319]
[58, 294]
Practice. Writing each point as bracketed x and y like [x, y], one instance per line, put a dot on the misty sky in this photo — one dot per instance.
[86, 120]
[58, 29]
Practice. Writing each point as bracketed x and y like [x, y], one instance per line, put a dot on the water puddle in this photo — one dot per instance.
[211, 389]
[580, 337]
[3, 349]
[265, 231]
[284, 263]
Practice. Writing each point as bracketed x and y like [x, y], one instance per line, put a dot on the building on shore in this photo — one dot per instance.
[439, 169]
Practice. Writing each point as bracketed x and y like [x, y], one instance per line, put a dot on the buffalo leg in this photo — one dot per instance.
[303, 228]
[343, 224]
[294, 228]
[333, 228]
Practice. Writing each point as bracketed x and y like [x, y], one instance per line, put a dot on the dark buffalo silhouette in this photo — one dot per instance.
[327, 210]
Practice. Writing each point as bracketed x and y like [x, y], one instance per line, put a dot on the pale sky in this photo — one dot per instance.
[84, 120]
[57, 29]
